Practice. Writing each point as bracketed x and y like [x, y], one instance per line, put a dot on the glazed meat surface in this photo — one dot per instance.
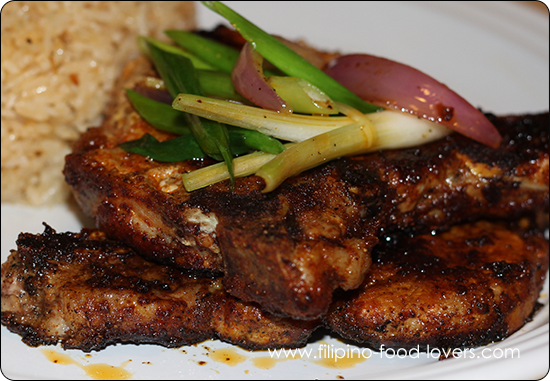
[467, 287]
[88, 292]
[288, 250]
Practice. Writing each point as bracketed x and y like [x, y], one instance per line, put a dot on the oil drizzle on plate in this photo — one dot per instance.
[228, 356]
[95, 371]
[265, 362]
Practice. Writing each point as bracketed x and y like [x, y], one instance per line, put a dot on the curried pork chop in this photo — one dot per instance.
[87, 292]
[467, 287]
[288, 250]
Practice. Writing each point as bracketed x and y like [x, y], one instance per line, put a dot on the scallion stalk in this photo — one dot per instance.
[348, 140]
[394, 130]
[214, 53]
[289, 127]
[255, 140]
[185, 147]
[302, 96]
[163, 117]
[218, 84]
[198, 63]
[371, 132]
[214, 84]
[179, 76]
[288, 61]
[159, 115]
[243, 166]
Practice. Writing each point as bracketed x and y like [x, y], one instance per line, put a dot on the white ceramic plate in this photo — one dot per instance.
[495, 54]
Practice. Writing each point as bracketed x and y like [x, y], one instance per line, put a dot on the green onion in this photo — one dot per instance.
[352, 139]
[165, 118]
[290, 127]
[343, 141]
[394, 130]
[255, 140]
[214, 84]
[218, 84]
[176, 71]
[244, 166]
[214, 53]
[159, 115]
[288, 61]
[204, 67]
[186, 147]
[365, 135]
[302, 96]
[198, 63]
[179, 77]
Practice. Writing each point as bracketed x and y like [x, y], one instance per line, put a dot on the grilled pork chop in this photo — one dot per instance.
[290, 249]
[472, 285]
[87, 292]
[467, 287]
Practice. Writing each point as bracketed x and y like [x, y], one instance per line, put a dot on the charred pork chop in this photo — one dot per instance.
[288, 250]
[470, 286]
[88, 292]
[466, 287]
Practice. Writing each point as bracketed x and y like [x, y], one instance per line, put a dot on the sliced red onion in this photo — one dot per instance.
[391, 84]
[249, 81]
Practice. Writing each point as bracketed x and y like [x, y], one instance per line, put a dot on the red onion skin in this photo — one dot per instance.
[390, 84]
[249, 81]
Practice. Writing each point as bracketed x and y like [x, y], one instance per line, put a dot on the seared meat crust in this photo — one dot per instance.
[463, 288]
[88, 292]
[289, 249]
[467, 287]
